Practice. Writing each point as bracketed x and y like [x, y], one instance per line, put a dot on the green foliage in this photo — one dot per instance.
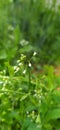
[34, 21]
[28, 102]
[39, 24]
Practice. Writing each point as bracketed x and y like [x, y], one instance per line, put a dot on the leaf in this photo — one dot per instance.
[31, 107]
[26, 49]
[38, 119]
[3, 54]
[34, 126]
[14, 114]
[53, 114]
[24, 97]
[26, 123]
[56, 98]
[10, 69]
[16, 34]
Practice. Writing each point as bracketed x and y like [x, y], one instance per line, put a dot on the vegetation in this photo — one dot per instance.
[29, 38]
[26, 101]
[36, 22]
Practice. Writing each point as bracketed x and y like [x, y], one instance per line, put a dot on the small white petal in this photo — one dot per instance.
[24, 42]
[29, 64]
[20, 64]
[17, 69]
[34, 53]
[27, 112]
[18, 61]
[24, 71]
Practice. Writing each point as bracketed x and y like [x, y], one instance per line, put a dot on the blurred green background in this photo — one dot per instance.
[27, 26]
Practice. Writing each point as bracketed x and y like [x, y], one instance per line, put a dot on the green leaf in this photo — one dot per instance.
[56, 98]
[16, 35]
[53, 114]
[24, 97]
[26, 49]
[30, 107]
[3, 54]
[14, 114]
[10, 69]
[38, 119]
[34, 126]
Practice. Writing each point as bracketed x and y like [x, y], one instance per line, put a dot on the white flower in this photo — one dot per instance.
[20, 64]
[29, 65]
[18, 61]
[34, 54]
[22, 55]
[24, 42]
[4, 71]
[27, 112]
[35, 95]
[24, 71]
[16, 69]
